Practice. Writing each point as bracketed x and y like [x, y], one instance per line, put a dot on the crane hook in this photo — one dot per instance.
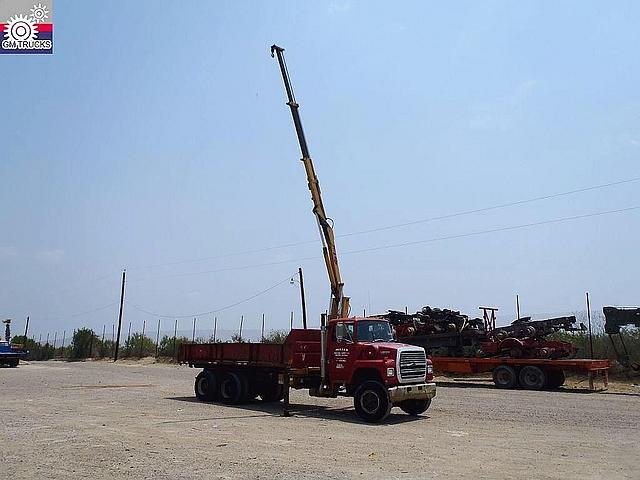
[275, 48]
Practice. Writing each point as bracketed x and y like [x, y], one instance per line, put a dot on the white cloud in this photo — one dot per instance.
[336, 7]
[526, 86]
[51, 256]
[492, 121]
[8, 252]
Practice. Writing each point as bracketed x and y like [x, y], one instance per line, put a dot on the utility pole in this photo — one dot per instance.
[590, 334]
[115, 353]
[193, 338]
[129, 341]
[262, 333]
[215, 327]
[158, 338]
[26, 330]
[144, 324]
[518, 306]
[241, 322]
[175, 333]
[304, 305]
[291, 321]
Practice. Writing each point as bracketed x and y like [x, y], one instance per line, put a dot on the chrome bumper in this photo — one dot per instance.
[417, 391]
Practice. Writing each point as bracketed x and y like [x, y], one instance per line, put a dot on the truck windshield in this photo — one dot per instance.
[374, 331]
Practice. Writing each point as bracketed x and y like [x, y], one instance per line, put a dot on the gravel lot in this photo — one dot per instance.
[103, 421]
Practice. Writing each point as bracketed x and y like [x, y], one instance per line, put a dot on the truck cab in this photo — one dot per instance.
[364, 360]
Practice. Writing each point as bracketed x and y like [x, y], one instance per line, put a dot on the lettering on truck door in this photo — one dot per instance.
[341, 352]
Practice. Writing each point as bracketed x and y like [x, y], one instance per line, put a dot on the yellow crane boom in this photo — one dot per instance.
[339, 304]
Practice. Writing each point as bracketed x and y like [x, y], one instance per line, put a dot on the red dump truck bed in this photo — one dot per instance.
[300, 351]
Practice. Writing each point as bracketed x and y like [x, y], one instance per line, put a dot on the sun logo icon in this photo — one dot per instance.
[38, 13]
[20, 29]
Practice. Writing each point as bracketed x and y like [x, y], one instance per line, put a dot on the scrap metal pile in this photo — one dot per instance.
[525, 338]
[444, 332]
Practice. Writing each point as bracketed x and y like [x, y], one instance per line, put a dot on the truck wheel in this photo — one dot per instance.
[206, 386]
[415, 407]
[272, 392]
[555, 378]
[532, 378]
[505, 376]
[372, 401]
[232, 389]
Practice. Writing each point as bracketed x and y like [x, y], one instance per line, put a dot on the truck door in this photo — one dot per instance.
[341, 352]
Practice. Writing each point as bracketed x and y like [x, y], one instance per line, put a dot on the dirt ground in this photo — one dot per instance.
[104, 421]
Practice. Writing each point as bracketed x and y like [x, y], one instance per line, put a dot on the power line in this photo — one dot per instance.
[493, 230]
[404, 244]
[225, 269]
[494, 207]
[397, 225]
[76, 314]
[216, 310]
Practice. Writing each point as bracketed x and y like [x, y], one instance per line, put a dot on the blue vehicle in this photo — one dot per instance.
[10, 355]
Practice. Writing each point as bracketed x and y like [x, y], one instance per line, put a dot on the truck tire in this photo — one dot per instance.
[232, 388]
[555, 378]
[272, 392]
[415, 407]
[505, 376]
[371, 401]
[532, 378]
[206, 386]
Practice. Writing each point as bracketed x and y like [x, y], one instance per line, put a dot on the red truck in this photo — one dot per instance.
[355, 357]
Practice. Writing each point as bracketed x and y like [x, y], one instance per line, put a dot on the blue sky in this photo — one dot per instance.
[158, 133]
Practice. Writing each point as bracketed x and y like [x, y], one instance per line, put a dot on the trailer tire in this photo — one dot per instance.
[415, 407]
[232, 388]
[272, 392]
[371, 401]
[505, 376]
[555, 378]
[206, 386]
[532, 378]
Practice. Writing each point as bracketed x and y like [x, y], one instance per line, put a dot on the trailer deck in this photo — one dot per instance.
[592, 368]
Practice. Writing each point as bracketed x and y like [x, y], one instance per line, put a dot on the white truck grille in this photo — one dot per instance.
[412, 365]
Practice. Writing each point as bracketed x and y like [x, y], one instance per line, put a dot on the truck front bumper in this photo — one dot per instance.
[417, 391]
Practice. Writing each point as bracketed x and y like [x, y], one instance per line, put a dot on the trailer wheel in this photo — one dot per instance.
[532, 378]
[371, 401]
[232, 389]
[272, 392]
[415, 407]
[206, 386]
[505, 376]
[555, 378]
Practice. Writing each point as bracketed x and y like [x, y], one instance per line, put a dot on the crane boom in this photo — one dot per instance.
[339, 304]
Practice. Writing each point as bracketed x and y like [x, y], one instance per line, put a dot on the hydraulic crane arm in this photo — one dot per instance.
[339, 305]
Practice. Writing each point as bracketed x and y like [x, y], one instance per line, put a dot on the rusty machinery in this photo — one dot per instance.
[445, 332]
[615, 318]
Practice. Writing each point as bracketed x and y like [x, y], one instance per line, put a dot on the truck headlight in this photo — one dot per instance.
[430, 369]
[391, 372]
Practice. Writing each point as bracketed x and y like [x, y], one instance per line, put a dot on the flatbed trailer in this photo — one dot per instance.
[527, 373]
[352, 357]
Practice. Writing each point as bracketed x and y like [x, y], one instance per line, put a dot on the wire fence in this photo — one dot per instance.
[150, 339]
